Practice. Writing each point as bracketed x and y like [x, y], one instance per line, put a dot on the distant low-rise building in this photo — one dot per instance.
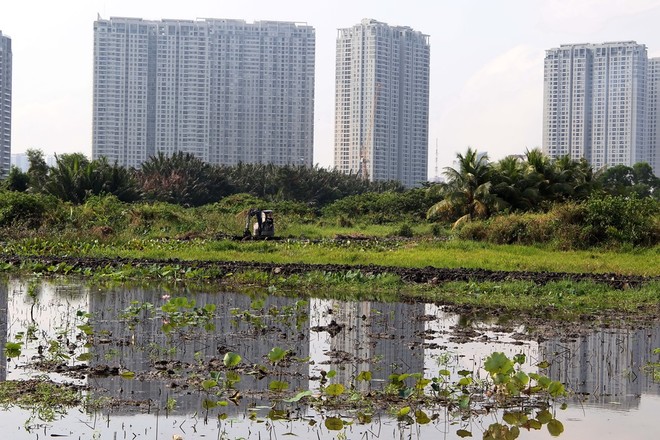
[21, 161]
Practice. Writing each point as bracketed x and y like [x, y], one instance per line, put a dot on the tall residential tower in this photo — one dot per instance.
[654, 115]
[5, 104]
[382, 102]
[598, 104]
[226, 91]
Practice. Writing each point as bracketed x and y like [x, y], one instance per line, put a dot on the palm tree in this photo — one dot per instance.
[182, 179]
[563, 178]
[467, 192]
[74, 178]
[516, 183]
[66, 179]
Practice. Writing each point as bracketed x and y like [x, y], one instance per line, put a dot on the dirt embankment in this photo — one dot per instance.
[412, 275]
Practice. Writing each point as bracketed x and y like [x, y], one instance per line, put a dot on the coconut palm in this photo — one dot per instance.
[516, 183]
[467, 192]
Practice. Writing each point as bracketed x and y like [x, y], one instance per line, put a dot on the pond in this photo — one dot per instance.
[174, 363]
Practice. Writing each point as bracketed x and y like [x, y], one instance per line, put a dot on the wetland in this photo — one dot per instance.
[160, 360]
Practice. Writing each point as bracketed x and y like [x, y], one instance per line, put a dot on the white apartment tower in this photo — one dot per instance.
[596, 103]
[226, 91]
[5, 104]
[654, 115]
[382, 102]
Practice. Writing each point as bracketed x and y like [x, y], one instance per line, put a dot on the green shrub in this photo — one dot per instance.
[623, 219]
[238, 203]
[439, 231]
[380, 208]
[568, 236]
[106, 210]
[22, 208]
[405, 231]
[344, 222]
[507, 229]
[541, 228]
[473, 230]
[569, 213]
[162, 218]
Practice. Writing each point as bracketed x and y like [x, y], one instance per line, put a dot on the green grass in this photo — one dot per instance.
[447, 254]
[385, 252]
[560, 299]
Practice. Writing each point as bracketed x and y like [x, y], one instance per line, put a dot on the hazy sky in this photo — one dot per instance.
[486, 60]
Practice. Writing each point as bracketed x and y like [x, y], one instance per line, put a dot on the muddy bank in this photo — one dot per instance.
[430, 275]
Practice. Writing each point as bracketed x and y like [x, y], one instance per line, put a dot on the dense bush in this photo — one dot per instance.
[162, 219]
[25, 209]
[102, 211]
[599, 221]
[623, 220]
[384, 207]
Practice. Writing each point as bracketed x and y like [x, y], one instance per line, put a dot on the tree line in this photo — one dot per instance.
[475, 188]
[478, 188]
[185, 180]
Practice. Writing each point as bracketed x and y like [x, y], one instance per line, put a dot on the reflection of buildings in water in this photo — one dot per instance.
[41, 313]
[382, 338]
[138, 349]
[606, 364]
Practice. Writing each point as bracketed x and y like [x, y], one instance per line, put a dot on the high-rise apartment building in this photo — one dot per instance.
[226, 91]
[382, 102]
[654, 115]
[5, 104]
[597, 103]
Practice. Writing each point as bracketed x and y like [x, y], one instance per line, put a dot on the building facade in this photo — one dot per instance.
[226, 91]
[654, 115]
[382, 102]
[598, 103]
[5, 104]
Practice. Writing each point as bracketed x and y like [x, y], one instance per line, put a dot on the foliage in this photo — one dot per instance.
[467, 192]
[38, 169]
[105, 211]
[314, 186]
[623, 219]
[74, 178]
[161, 219]
[24, 208]
[383, 207]
[47, 400]
[16, 180]
[478, 189]
[181, 178]
[621, 180]
[602, 220]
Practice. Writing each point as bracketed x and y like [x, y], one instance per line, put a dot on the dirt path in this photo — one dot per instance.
[412, 275]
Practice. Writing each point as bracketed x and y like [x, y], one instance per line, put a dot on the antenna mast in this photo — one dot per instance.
[436, 159]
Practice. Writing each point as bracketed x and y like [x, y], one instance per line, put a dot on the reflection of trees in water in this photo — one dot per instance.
[138, 349]
[605, 364]
[383, 338]
[4, 295]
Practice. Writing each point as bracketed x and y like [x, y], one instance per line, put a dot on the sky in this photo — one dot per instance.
[486, 75]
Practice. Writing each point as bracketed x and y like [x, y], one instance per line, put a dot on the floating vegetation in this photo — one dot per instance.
[262, 360]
